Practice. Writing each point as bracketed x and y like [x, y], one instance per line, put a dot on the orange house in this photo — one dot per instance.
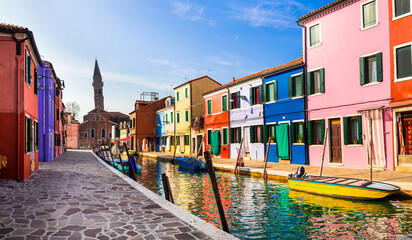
[19, 133]
[401, 85]
[216, 121]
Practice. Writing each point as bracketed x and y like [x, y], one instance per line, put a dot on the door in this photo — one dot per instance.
[246, 140]
[335, 141]
[407, 130]
[32, 148]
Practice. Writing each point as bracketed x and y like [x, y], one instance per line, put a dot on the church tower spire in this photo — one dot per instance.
[98, 87]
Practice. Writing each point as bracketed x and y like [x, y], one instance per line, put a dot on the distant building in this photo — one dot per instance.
[71, 131]
[58, 118]
[165, 127]
[97, 124]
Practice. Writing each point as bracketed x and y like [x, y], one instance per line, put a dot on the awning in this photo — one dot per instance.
[126, 139]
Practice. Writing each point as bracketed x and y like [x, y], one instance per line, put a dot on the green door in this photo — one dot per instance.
[282, 140]
[216, 142]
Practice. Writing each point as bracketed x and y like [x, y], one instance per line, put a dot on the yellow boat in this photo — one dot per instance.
[351, 188]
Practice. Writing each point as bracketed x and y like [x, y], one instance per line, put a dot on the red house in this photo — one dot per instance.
[18, 101]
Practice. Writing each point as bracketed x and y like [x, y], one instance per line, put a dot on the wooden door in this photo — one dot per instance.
[407, 131]
[335, 141]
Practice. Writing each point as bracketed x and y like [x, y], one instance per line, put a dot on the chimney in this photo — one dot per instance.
[233, 79]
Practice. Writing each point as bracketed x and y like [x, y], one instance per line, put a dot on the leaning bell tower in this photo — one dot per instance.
[98, 87]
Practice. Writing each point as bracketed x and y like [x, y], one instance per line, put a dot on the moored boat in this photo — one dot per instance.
[195, 164]
[341, 187]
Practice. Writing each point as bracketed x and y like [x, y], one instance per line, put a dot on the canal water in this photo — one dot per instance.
[257, 209]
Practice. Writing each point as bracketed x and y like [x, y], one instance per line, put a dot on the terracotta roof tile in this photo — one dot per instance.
[295, 63]
[205, 76]
[10, 28]
[320, 10]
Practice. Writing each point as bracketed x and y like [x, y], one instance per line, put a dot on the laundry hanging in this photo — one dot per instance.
[282, 140]
[215, 141]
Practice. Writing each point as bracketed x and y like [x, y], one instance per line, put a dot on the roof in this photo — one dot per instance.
[270, 71]
[330, 5]
[196, 79]
[10, 28]
[96, 72]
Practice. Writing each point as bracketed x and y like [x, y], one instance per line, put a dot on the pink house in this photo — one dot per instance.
[346, 51]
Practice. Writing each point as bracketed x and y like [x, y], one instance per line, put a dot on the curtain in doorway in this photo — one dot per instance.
[216, 142]
[168, 143]
[378, 144]
[282, 140]
[400, 135]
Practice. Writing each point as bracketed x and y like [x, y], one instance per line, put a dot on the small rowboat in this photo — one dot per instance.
[340, 187]
[195, 164]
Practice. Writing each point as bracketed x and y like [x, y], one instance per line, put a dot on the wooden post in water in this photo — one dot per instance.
[111, 154]
[121, 163]
[212, 175]
[106, 155]
[370, 146]
[167, 189]
[131, 168]
[174, 153]
[266, 158]
[201, 145]
[323, 152]
[238, 155]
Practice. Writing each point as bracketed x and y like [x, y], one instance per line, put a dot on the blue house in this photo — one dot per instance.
[284, 113]
[163, 121]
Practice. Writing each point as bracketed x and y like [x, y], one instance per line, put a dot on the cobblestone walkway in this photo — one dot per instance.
[76, 197]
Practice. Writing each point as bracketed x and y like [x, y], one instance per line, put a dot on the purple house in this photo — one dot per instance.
[47, 78]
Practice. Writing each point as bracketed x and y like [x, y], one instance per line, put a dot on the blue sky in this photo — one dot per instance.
[157, 45]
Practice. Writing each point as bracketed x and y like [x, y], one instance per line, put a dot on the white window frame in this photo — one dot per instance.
[227, 102]
[228, 136]
[377, 16]
[207, 106]
[188, 117]
[207, 134]
[401, 16]
[187, 92]
[394, 62]
[371, 55]
[294, 76]
[320, 34]
[270, 124]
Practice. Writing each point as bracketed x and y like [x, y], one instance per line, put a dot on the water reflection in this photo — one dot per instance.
[257, 209]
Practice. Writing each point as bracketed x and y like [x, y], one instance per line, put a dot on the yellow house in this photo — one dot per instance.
[188, 106]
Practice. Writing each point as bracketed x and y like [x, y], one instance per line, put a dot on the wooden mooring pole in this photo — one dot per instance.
[212, 176]
[131, 167]
[167, 189]
[238, 156]
[111, 153]
[266, 159]
[323, 152]
[370, 147]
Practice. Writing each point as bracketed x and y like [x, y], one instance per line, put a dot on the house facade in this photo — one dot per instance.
[400, 19]
[246, 118]
[19, 141]
[170, 127]
[160, 130]
[285, 113]
[216, 121]
[71, 131]
[165, 127]
[348, 84]
[134, 144]
[58, 118]
[188, 108]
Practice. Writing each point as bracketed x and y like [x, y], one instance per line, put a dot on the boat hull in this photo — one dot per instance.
[188, 166]
[336, 190]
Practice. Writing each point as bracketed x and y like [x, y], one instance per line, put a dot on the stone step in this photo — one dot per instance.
[404, 159]
[404, 168]
[284, 161]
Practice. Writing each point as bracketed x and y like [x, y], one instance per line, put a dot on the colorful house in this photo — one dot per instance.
[19, 141]
[246, 117]
[134, 143]
[71, 131]
[160, 130]
[188, 107]
[285, 112]
[400, 21]
[165, 127]
[58, 115]
[347, 57]
[47, 79]
[216, 121]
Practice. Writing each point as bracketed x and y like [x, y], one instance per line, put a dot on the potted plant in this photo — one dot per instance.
[355, 140]
[318, 141]
[3, 161]
[272, 139]
[299, 138]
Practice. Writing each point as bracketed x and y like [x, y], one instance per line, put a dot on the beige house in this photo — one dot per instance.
[188, 108]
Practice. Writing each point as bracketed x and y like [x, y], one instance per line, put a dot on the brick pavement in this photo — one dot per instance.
[76, 197]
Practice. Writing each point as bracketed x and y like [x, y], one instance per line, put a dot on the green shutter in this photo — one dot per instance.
[171, 117]
[309, 82]
[167, 119]
[252, 135]
[209, 107]
[360, 129]
[275, 90]
[309, 123]
[27, 134]
[261, 94]
[302, 85]
[322, 130]
[362, 70]
[29, 70]
[238, 99]
[231, 101]
[251, 97]
[224, 103]
[265, 133]
[379, 66]
[292, 132]
[239, 133]
[322, 80]
[346, 130]
[36, 83]
[177, 96]
[290, 87]
[232, 137]
[266, 92]
[262, 136]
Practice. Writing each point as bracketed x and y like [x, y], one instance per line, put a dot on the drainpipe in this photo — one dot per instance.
[264, 120]
[228, 98]
[305, 96]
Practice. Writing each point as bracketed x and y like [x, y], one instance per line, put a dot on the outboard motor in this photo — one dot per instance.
[300, 172]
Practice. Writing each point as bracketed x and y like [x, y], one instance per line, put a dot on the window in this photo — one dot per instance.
[225, 140]
[167, 119]
[186, 92]
[314, 35]
[316, 81]
[209, 107]
[36, 135]
[371, 69]
[177, 140]
[57, 114]
[177, 96]
[316, 131]
[235, 135]
[100, 91]
[235, 100]
[186, 140]
[36, 83]
[256, 134]
[402, 7]
[103, 133]
[187, 115]
[403, 62]
[369, 16]
[297, 132]
[28, 136]
[296, 86]
[92, 133]
[172, 141]
[271, 92]
[255, 95]
[85, 135]
[28, 68]
[271, 132]
[352, 130]
[171, 117]
[134, 122]
[178, 117]
[224, 103]
[209, 136]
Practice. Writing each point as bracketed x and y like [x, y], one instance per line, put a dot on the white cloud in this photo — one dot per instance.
[191, 11]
